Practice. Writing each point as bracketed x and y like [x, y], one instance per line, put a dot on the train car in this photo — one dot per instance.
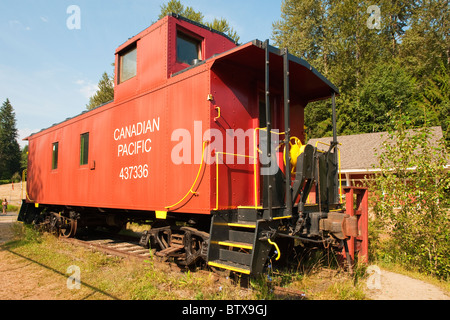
[205, 138]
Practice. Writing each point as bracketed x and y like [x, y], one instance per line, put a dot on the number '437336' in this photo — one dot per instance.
[134, 172]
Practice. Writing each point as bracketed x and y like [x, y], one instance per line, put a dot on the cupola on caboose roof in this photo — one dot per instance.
[175, 43]
[166, 47]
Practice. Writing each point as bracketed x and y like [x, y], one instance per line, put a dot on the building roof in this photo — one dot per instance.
[358, 152]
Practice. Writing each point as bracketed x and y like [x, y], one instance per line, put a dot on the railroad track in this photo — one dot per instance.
[128, 247]
[120, 248]
[112, 244]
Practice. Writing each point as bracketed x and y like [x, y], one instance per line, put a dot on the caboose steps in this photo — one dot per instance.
[228, 265]
[239, 245]
[242, 224]
[236, 244]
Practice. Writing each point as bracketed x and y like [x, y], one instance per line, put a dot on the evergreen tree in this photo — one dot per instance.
[175, 6]
[221, 25]
[9, 147]
[105, 92]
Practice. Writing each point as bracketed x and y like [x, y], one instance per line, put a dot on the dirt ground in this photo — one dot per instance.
[23, 279]
[13, 193]
[394, 286]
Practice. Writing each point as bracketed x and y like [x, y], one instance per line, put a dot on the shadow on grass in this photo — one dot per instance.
[7, 247]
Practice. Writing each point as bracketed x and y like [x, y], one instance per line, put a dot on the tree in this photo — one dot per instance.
[387, 91]
[335, 37]
[221, 25]
[175, 6]
[104, 94]
[426, 43]
[9, 147]
[436, 100]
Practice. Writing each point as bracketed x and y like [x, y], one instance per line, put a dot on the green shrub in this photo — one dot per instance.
[411, 200]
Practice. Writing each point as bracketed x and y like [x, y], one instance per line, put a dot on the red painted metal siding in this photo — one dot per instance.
[235, 92]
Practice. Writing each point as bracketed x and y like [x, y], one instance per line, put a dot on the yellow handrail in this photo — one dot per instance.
[218, 113]
[24, 172]
[196, 178]
[276, 248]
[217, 173]
[255, 177]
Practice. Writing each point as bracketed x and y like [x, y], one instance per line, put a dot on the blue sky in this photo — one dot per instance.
[49, 71]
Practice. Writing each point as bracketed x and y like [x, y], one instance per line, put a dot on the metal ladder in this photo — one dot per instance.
[239, 241]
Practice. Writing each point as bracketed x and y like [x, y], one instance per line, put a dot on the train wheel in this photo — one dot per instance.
[68, 227]
[195, 245]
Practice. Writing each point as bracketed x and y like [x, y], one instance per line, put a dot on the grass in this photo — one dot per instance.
[12, 208]
[105, 277]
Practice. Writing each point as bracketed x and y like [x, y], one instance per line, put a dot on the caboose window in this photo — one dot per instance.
[55, 155]
[84, 148]
[127, 63]
[188, 48]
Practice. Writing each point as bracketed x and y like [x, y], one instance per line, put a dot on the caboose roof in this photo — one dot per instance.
[304, 79]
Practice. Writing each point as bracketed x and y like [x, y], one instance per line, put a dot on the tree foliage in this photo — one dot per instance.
[401, 67]
[9, 147]
[104, 94]
[221, 25]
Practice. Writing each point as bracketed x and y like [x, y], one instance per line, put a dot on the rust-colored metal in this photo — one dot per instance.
[350, 226]
[340, 224]
[357, 207]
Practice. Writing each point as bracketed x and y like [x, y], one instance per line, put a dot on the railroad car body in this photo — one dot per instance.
[185, 139]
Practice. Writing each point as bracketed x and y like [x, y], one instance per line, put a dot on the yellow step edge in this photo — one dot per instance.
[282, 217]
[242, 225]
[223, 266]
[236, 244]
[236, 224]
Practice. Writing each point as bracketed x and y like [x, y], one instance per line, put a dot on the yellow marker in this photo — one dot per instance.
[161, 214]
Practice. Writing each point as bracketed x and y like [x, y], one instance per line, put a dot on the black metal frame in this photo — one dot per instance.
[268, 122]
[287, 129]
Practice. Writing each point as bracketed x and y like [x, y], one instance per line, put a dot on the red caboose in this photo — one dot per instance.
[185, 139]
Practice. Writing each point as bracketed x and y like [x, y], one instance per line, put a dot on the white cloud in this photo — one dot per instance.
[44, 19]
[17, 25]
[87, 88]
[23, 133]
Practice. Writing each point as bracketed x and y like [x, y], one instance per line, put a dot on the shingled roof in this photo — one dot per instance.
[358, 152]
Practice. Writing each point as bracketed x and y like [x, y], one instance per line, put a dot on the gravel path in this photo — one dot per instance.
[386, 285]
